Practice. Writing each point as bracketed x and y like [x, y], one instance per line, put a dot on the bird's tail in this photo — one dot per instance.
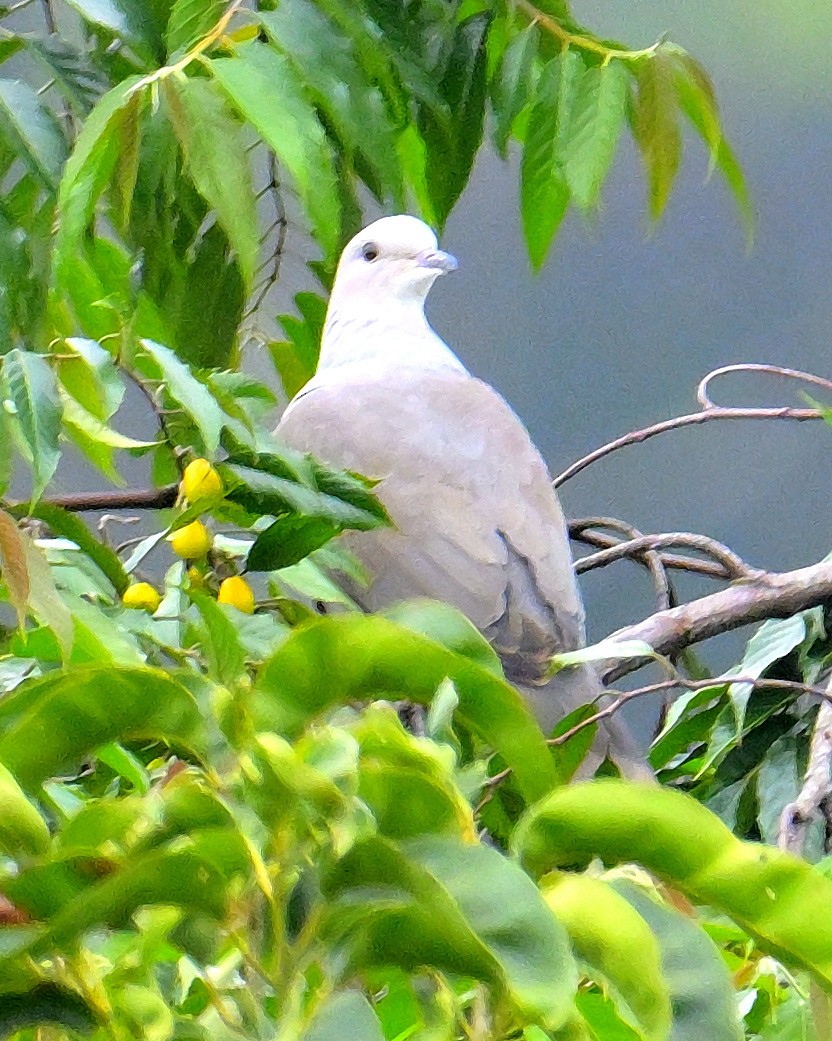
[567, 691]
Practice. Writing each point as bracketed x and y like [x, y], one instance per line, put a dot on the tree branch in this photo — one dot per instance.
[126, 499]
[817, 786]
[771, 595]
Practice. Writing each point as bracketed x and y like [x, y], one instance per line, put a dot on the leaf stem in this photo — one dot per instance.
[584, 43]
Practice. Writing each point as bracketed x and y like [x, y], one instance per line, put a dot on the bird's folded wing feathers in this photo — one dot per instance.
[476, 521]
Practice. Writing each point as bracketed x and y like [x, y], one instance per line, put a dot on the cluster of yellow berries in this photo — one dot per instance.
[200, 484]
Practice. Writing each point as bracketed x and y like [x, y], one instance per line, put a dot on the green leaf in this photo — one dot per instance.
[344, 1016]
[444, 624]
[223, 648]
[87, 707]
[45, 601]
[333, 661]
[190, 21]
[89, 170]
[89, 374]
[355, 107]
[770, 894]
[32, 396]
[76, 417]
[22, 829]
[462, 908]
[264, 493]
[595, 123]
[655, 126]
[452, 144]
[297, 358]
[43, 1006]
[32, 130]
[264, 87]
[216, 158]
[697, 100]
[194, 397]
[512, 89]
[703, 999]
[544, 193]
[288, 540]
[617, 945]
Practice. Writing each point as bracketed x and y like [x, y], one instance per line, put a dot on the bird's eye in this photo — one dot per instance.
[369, 252]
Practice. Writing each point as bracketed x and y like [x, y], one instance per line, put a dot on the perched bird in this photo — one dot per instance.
[477, 523]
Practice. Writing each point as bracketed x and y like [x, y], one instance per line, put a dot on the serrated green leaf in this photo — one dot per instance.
[194, 397]
[217, 161]
[595, 123]
[31, 394]
[90, 375]
[88, 171]
[544, 193]
[326, 60]
[189, 21]
[32, 130]
[655, 125]
[452, 144]
[512, 90]
[264, 87]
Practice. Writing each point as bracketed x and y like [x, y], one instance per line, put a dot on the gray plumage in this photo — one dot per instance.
[477, 523]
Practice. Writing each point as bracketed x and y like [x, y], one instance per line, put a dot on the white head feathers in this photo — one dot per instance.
[376, 310]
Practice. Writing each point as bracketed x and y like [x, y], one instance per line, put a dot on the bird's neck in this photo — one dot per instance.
[394, 336]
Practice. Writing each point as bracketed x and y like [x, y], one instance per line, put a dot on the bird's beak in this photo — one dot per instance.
[436, 258]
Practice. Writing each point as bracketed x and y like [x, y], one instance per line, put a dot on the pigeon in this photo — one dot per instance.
[475, 520]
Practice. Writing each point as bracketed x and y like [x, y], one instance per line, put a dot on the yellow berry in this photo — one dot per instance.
[142, 596]
[237, 592]
[191, 542]
[201, 482]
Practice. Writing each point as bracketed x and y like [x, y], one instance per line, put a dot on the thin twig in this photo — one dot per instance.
[814, 796]
[678, 680]
[123, 499]
[636, 437]
[281, 223]
[735, 567]
[580, 531]
[649, 558]
[707, 402]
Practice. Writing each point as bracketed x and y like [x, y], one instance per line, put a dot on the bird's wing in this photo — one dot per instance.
[477, 523]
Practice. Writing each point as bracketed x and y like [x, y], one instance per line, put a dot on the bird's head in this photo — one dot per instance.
[393, 260]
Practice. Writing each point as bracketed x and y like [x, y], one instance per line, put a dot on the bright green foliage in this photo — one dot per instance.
[213, 824]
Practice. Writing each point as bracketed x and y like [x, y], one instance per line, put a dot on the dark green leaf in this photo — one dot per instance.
[655, 125]
[44, 1005]
[32, 130]
[596, 119]
[354, 106]
[288, 540]
[32, 394]
[217, 160]
[452, 144]
[87, 707]
[264, 87]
